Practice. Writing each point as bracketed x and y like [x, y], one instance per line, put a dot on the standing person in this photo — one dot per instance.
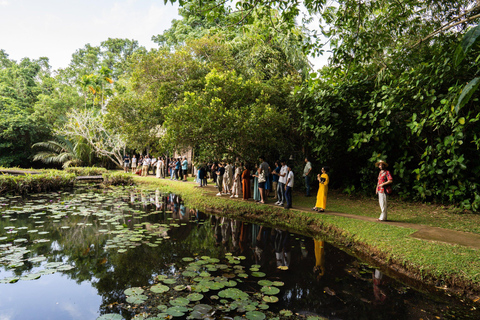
[184, 168]
[134, 164]
[289, 187]
[220, 173]
[159, 166]
[126, 163]
[171, 165]
[275, 177]
[282, 178]
[153, 164]
[246, 182]
[323, 181]
[145, 165]
[263, 172]
[384, 179]
[237, 181]
[213, 171]
[306, 173]
[177, 169]
[140, 166]
[256, 191]
[227, 179]
[162, 167]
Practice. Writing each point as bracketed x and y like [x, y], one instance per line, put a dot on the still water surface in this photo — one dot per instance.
[74, 255]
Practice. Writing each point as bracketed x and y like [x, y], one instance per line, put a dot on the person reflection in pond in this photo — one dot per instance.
[281, 245]
[157, 199]
[378, 292]
[259, 241]
[319, 268]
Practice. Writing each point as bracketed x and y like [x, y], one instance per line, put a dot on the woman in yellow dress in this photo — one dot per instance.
[323, 180]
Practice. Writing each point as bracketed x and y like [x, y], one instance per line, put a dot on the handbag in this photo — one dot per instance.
[388, 189]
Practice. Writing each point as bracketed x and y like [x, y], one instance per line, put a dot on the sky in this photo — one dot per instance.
[57, 28]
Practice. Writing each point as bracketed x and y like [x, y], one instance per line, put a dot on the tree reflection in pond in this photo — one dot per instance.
[106, 242]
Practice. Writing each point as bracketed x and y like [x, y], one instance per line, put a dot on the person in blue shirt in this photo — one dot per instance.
[184, 168]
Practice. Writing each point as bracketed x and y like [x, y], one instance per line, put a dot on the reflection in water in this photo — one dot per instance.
[107, 243]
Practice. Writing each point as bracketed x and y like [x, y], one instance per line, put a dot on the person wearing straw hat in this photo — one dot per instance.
[384, 179]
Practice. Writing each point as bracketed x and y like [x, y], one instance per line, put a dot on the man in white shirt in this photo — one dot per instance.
[288, 188]
[282, 178]
[145, 165]
[307, 173]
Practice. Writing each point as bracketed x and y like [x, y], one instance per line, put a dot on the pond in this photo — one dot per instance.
[130, 254]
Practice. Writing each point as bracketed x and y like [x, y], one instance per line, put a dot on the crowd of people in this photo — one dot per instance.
[236, 179]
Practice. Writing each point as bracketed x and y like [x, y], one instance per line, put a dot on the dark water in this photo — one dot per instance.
[73, 255]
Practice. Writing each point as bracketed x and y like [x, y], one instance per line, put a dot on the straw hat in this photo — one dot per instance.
[381, 162]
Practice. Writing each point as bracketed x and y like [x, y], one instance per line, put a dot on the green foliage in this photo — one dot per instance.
[49, 180]
[86, 171]
[117, 178]
[387, 96]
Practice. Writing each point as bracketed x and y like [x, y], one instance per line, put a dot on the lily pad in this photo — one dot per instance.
[255, 315]
[110, 316]
[176, 311]
[137, 299]
[270, 299]
[169, 281]
[179, 302]
[195, 296]
[159, 288]
[134, 290]
[258, 274]
[270, 290]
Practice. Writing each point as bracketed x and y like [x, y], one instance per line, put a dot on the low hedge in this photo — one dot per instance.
[86, 171]
[117, 178]
[48, 180]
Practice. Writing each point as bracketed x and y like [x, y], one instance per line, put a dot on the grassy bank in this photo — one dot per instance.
[451, 267]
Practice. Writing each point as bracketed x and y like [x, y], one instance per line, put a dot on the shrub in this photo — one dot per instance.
[117, 178]
[46, 181]
[86, 171]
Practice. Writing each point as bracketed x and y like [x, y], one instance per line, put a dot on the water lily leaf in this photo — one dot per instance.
[137, 299]
[32, 276]
[263, 306]
[176, 311]
[169, 281]
[187, 259]
[159, 288]
[162, 307]
[161, 277]
[270, 299]
[286, 313]
[270, 290]
[255, 315]
[189, 274]
[180, 287]
[267, 283]
[133, 290]
[278, 283]
[258, 274]
[195, 296]
[110, 316]
[179, 302]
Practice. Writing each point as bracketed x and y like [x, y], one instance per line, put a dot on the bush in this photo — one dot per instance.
[86, 171]
[117, 178]
[46, 181]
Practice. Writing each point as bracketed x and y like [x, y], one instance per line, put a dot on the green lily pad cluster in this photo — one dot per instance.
[225, 285]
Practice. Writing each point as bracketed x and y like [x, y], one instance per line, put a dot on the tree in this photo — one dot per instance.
[61, 151]
[89, 125]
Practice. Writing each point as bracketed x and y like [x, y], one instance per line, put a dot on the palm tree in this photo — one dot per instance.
[61, 151]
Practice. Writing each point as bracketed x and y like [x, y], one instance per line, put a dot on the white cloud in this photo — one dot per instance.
[4, 3]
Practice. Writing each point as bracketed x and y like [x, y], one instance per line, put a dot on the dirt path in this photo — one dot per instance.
[423, 232]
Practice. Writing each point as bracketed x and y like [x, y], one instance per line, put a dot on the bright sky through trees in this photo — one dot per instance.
[57, 28]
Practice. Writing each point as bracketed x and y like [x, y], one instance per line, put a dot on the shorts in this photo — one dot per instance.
[126, 164]
[261, 185]
[184, 172]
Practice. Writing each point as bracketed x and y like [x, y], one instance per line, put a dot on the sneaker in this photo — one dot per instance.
[236, 196]
[277, 203]
[280, 204]
[231, 196]
[219, 194]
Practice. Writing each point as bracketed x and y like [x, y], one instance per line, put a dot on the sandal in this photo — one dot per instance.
[321, 210]
[314, 208]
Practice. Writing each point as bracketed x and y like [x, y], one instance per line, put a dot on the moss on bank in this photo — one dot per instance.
[453, 268]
